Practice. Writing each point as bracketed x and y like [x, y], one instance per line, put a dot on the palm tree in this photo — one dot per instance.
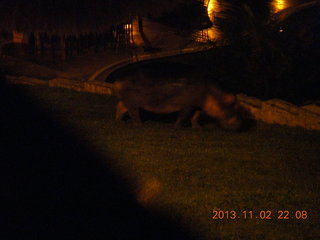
[299, 39]
[255, 41]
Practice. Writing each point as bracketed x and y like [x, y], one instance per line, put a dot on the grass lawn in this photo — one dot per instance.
[188, 174]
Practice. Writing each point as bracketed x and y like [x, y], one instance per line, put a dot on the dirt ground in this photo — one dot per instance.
[80, 67]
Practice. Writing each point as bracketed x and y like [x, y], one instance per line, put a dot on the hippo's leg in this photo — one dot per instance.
[195, 119]
[182, 117]
[121, 110]
[134, 115]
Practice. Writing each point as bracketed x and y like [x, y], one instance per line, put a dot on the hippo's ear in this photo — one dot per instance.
[229, 99]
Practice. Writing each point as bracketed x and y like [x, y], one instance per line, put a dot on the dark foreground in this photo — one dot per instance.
[54, 186]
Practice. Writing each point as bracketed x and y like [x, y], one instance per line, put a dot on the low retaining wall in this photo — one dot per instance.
[274, 111]
[282, 112]
[76, 85]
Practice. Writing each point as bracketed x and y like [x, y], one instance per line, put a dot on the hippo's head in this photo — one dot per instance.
[226, 109]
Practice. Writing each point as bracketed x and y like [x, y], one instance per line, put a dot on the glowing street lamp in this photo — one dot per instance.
[212, 8]
[278, 5]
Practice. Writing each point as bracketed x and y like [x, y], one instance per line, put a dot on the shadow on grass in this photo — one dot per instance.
[55, 187]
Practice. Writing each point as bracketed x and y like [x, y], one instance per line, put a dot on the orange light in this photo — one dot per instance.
[278, 5]
[212, 8]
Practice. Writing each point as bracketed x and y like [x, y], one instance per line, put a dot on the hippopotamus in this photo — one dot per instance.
[184, 94]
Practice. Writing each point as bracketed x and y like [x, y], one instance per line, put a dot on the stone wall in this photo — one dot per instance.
[274, 111]
[281, 112]
[76, 85]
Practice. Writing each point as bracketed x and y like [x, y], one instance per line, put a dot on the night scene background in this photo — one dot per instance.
[69, 170]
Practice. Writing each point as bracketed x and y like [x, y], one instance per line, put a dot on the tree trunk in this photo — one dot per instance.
[1, 46]
[63, 48]
[131, 36]
[147, 43]
[37, 44]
